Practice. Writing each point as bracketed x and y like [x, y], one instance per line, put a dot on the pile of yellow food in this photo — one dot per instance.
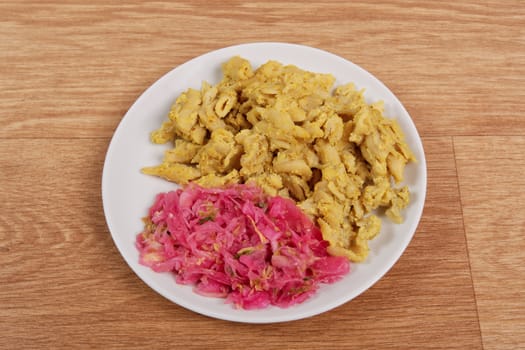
[290, 132]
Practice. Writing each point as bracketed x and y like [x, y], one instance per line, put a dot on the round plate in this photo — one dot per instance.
[127, 193]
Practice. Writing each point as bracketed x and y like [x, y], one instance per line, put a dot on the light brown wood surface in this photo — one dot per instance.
[69, 70]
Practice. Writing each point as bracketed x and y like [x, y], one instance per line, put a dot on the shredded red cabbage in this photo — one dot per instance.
[239, 244]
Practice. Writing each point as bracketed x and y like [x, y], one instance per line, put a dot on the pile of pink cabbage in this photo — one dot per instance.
[238, 243]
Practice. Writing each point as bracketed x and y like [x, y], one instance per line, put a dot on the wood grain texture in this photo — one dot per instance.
[490, 173]
[73, 68]
[65, 284]
[70, 70]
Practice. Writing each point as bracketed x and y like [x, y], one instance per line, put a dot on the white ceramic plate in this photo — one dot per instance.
[127, 193]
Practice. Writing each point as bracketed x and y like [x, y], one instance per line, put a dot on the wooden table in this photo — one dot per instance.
[70, 70]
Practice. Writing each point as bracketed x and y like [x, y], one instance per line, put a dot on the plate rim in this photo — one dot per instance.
[264, 45]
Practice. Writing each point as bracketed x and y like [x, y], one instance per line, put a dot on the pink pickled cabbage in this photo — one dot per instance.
[239, 244]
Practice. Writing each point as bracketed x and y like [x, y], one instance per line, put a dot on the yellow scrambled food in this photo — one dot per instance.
[290, 132]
